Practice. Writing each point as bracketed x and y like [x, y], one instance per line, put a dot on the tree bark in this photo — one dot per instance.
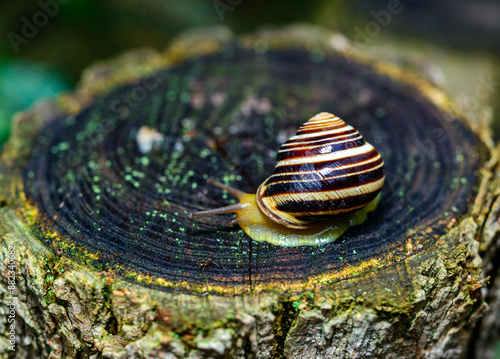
[91, 282]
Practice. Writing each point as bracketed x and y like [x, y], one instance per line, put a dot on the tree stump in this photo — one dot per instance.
[95, 188]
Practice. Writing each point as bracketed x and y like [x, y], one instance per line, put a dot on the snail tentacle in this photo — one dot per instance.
[234, 221]
[227, 209]
[235, 192]
[242, 205]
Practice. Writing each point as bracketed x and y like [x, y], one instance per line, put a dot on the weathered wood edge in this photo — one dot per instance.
[149, 321]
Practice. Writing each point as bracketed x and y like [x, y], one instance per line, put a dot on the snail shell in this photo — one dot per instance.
[325, 169]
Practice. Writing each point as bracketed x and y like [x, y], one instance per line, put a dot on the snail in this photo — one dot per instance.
[327, 178]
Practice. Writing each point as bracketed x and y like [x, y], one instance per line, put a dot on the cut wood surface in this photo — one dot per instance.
[95, 187]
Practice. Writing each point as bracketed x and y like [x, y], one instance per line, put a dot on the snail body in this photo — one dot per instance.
[327, 178]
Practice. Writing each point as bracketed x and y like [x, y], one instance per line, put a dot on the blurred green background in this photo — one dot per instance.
[47, 43]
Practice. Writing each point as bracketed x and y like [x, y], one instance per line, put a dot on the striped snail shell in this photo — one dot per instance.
[324, 170]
